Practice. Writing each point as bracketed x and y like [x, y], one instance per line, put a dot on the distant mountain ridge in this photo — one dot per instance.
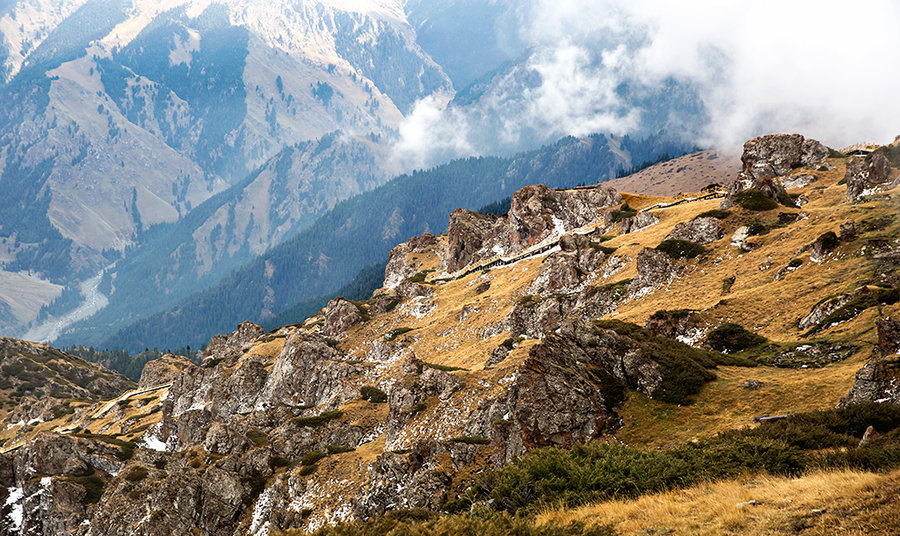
[360, 231]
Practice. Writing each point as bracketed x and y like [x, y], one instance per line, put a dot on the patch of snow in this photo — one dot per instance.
[259, 525]
[154, 443]
[35, 421]
[17, 512]
[13, 425]
[498, 250]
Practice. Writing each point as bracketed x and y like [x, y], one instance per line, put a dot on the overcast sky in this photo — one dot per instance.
[827, 69]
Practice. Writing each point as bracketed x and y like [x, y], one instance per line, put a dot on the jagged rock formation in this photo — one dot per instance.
[774, 155]
[639, 221]
[879, 379]
[536, 213]
[163, 370]
[700, 231]
[767, 158]
[865, 173]
[400, 267]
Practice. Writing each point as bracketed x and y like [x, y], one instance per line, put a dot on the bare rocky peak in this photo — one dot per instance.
[399, 266]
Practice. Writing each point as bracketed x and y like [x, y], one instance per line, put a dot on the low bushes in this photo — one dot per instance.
[591, 472]
[730, 337]
[680, 249]
[754, 200]
[373, 394]
[425, 523]
[319, 420]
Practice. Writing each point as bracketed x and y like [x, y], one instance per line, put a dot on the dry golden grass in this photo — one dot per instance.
[818, 504]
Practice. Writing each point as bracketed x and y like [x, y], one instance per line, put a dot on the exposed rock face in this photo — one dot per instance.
[768, 157]
[739, 238]
[340, 315]
[49, 472]
[673, 324]
[820, 311]
[567, 268]
[468, 234]
[536, 213]
[864, 173]
[654, 268]
[224, 346]
[848, 231]
[538, 316]
[419, 479]
[801, 180]
[699, 230]
[164, 370]
[811, 355]
[774, 155]
[639, 221]
[888, 335]
[879, 379]
[399, 266]
[422, 382]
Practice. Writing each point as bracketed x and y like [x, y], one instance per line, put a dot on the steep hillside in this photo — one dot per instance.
[359, 232]
[40, 386]
[121, 115]
[586, 346]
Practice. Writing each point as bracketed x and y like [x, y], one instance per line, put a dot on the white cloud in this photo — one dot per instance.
[826, 69]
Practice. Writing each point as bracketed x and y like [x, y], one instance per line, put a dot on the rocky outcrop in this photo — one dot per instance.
[536, 316]
[888, 336]
[413, 389]
[654, 268]
[418, 479]
[801, 180]
[225, 346]
[568, 267]
[536, 213]
[340, 315]
[698, 230]
[774, 155]
[469, 236]
[164, 370]
[865, 173]
[879, 379]
[639, 221]
[821, 310]
[400, 267]
[676, 324]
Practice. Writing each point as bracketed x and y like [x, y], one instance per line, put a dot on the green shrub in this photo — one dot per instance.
[338, 449]
[511, 342]
[93, 487]
[312, 457]
[308, 470]
[680, 249]
[373, 394]
[137, 474]
[471, 440]
[795, 263]
[420, 407]
[319, 420]
[258, 438]
[126, 448]
[419, 277]
[445, 368]
[622, 212]
[279, 461]
[730, 337]
[683, 368]
[754, 200]
[714, 213]
[394, 333]
[756, 228]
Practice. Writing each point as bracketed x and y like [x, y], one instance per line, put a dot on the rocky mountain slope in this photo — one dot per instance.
[354, 234]
[582, 314]
[122, 115]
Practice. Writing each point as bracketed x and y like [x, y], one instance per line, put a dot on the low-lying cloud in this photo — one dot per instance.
[826, 69]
